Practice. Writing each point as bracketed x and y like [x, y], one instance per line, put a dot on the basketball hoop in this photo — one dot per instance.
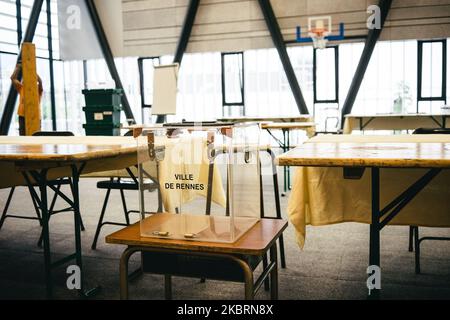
[318, 29]
[319, 32]
[318, 38]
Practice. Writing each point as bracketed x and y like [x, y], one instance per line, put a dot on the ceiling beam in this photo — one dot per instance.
[277, 38]
[109, 58]
[369, 46]
[186, 30]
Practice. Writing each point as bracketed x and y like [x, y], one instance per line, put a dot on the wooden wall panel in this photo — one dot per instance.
[152, 27]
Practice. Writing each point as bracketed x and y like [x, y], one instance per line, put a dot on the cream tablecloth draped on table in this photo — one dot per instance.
[321, 196]
[114, 166]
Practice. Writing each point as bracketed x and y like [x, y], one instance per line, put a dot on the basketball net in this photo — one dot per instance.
[318, 36]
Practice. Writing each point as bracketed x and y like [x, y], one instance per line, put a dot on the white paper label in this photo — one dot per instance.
[107, 113]
[98, 116]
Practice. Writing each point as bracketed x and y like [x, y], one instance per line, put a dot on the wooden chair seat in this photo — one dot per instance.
[125, 184]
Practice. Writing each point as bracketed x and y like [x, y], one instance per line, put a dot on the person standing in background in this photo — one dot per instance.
[19, 87]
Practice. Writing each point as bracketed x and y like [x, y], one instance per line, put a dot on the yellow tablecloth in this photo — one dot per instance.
[321, 196]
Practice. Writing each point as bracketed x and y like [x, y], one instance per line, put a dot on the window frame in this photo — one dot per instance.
[443, 96]
[336, 76]
[222, 76]
[140, 62]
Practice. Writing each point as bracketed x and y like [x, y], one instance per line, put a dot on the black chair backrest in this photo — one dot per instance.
[432, 131]
[53, 134]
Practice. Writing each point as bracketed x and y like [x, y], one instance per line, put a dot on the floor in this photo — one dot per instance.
[331, 266]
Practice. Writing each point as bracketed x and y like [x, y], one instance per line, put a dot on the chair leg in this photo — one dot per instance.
[417, 249]
[278, 207]
[5, 210]
[168, 287]
[266, 281]
[411, 239]
[100, 221]
[282, 255]
[124, 205]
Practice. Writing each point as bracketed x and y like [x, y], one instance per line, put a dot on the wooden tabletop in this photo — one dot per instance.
[299, 118]
[396, 115]
[400, 154]
[288, 125]
[256, 241]
[64, 149]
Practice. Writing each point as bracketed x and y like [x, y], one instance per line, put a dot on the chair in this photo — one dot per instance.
[121, 184]
[56, 184]
[332, 115]
[203, 267]
[414, 239]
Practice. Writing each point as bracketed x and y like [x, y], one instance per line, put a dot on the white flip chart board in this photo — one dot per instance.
[165, 89]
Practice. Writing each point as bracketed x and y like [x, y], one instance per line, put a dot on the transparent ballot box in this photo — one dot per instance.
[208, 181]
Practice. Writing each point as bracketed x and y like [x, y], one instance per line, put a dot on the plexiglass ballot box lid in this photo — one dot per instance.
[208, 179]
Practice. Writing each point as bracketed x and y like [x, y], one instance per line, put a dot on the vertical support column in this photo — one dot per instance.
[30, 89]
[8, 111]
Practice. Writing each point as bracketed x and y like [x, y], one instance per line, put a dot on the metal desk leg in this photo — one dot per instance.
[77, 218]
[375, 228]
[76, 209]
[274, 273]
[42, 181]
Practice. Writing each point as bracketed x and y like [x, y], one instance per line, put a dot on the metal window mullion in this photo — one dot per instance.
[19, 22]
[50, 65]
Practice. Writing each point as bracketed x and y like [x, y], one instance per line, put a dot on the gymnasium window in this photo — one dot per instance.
[233, 77]
[432, 75]
[146, 70]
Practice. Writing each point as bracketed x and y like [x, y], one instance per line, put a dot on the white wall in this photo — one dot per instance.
[152, 27]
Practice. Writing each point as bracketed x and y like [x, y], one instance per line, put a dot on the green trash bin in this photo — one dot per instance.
[102, 115]
[102, 129]
[102, 97]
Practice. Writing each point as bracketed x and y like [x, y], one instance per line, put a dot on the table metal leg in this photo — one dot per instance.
[76, 209]
[77, 219]
[374, 251]
[274, 273]
[42, 181]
